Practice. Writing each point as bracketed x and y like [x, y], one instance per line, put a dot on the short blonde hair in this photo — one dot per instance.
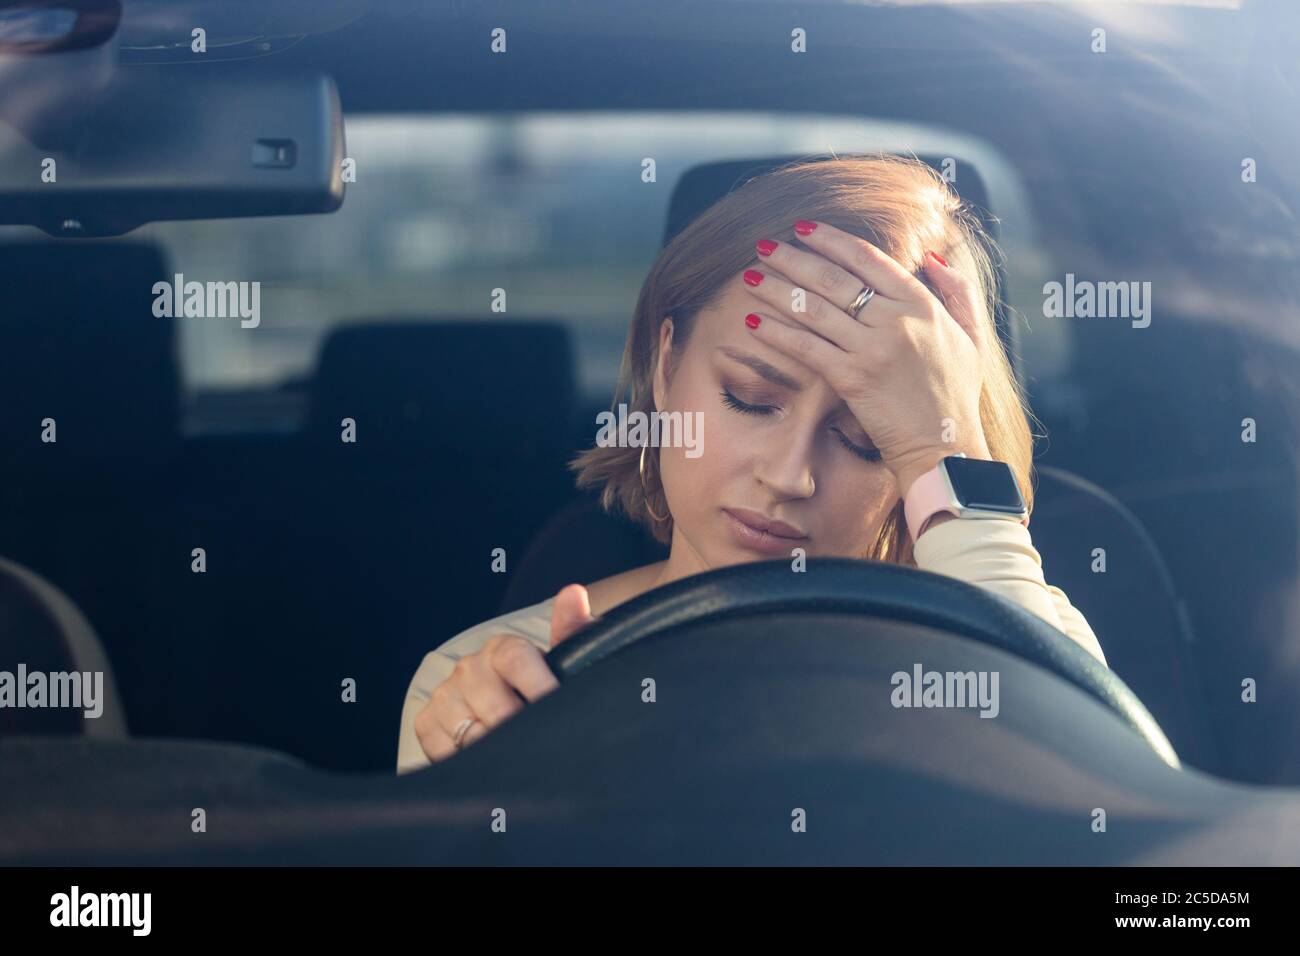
[899, 204]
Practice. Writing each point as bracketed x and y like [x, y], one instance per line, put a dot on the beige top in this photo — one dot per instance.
[997, 555]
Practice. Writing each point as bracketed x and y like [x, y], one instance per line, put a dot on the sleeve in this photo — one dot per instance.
[533, 623]
[1000, 557]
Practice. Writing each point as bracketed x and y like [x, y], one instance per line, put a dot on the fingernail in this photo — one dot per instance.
[765, 247]
[803, 227]
[753, 276]
[940, 259]
[752, 320]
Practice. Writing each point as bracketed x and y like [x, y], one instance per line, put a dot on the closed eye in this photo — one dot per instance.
[872, 454]
[731, 401]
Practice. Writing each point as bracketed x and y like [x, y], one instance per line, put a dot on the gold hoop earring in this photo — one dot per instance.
[645, 491]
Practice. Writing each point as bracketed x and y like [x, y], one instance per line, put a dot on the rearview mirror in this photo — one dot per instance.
[166, 143]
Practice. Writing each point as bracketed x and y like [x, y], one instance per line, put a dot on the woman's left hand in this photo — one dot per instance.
[908, 367]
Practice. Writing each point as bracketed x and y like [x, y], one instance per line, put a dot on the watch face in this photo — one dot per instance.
[985, 485]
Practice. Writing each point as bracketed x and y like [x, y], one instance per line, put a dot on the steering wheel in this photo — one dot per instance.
[877, 590]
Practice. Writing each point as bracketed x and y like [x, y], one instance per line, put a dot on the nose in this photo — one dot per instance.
[785, 464]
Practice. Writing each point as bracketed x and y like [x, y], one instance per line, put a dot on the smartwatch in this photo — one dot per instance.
[967, 488]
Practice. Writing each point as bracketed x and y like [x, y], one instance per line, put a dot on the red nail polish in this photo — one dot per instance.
[753, 276]
[940, 259]
[752, 320]
[803, 227]
[765, 247]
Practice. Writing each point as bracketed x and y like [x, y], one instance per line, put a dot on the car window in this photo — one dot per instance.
[551, 208]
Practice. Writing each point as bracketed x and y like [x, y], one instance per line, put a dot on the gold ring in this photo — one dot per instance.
[461, 729]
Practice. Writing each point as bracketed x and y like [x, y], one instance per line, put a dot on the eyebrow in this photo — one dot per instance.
[769, 372]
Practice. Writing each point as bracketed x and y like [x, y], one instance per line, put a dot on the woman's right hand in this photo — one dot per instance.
[494, 683]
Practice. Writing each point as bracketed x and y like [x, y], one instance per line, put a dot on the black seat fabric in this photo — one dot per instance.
[1164, 433]
[91, 512]
[386, 543]
[496, 389]
[582, 543]
[1132, 606]
[82, 346]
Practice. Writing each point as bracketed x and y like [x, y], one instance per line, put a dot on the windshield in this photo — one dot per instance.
[324, 329]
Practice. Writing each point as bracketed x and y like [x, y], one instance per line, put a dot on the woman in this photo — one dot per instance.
[831, 321]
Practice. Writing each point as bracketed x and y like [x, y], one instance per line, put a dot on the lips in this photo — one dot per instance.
[777, 529]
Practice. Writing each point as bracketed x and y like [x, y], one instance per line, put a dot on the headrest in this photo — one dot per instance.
[703, 185]
[494, 388]
[79, 343]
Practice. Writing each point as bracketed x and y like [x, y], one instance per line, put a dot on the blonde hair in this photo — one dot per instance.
[899, 204]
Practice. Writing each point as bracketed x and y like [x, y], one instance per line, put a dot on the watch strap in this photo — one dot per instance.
[928, 495]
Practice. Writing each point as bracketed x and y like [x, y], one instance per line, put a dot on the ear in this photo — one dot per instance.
[663, 363]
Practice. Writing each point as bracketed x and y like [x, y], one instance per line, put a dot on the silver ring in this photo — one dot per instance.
[458, 738]
[860, 303]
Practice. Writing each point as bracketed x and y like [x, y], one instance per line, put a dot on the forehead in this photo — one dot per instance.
[722, 326]
[723, 323]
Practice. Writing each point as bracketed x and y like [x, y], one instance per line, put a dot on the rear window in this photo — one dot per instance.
[445, 209]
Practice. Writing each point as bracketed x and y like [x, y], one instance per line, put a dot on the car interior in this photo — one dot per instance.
[187, 445]
[356, 531]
